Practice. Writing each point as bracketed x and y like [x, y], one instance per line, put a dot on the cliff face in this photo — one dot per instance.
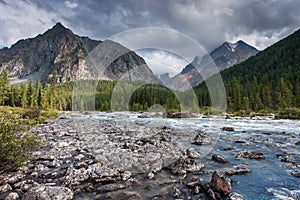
[60, 51]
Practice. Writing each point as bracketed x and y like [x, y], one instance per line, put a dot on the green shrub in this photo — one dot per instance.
[32, 113]
[15, 141]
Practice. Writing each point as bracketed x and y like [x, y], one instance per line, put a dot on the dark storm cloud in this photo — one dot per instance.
[209, 22]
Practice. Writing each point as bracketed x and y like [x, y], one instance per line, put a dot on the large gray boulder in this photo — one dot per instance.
[48, 193]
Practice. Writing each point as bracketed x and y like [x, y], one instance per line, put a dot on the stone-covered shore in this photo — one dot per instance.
[87, 158]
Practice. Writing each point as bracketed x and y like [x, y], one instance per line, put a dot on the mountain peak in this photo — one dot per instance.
[58, 25]
[58, 28]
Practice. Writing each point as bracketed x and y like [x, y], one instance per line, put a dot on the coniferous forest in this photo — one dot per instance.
[265, 83]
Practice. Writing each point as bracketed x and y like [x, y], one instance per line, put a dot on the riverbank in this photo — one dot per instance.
[123, 156]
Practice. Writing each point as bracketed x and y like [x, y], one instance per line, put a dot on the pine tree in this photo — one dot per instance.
[4, 87]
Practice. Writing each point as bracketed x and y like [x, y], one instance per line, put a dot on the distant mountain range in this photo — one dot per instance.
[268, 80]
[225, 56]
[60, 51]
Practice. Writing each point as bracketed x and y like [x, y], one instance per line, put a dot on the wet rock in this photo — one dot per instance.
[12, 196]
[126, 175]
[297, 143]
[237, 170]
[287, 159]
[110, 187]
[48, 192]
[150, 175]
[250, 155]
[192, 153]
[296, 174]
[177, 192]
[219, 158]
[218, 183]
[211, 194]
[227, 128]
[228, 149]
[128, 195]
[177, 115]
[5, 188]
[235, 196]
[182, 166]
[240, 142]
[201, 139]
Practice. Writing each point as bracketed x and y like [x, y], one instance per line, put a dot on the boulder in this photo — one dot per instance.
[296, 174]
[5, 188]
[219, 158]
[201, 139]
[182, 166]
[235, 196]
[48, 193]
[227, 128]
[12, 196]
[250, 155]
[237, 170]
[218, 183]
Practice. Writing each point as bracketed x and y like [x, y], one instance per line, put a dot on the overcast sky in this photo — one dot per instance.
[260, 23]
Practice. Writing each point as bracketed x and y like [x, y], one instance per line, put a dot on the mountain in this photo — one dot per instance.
[60, 51]
[268, 80]
[225, 56]
[164, 77]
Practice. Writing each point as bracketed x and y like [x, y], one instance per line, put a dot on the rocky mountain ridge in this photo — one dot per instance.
[60, 51]
[223, 57]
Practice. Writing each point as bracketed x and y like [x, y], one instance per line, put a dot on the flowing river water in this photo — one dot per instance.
[269, 178]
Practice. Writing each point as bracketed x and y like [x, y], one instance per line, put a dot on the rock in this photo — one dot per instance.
[182, 166]
[237, 170]
[235, 196]
[48, 193]
[5, 188]
[228, 149]
[227, 128]
[15, 178]
[250, 155]
[75, 176]
[81, 165]
[100, 174]
[79, 157]
[219, 158]
[296, 174]
[218, 183]
[177, 192]
[150, 175]
[201, 139]
[211, 194]
[26, 185]
[240, 142]
[192, 153]
[12, 196]
[128, 195]
[177, 115]
[126, 175]
[110, 187]
[297, 143]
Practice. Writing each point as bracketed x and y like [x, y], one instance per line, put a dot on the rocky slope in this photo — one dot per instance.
[225, 56]
[60, 51]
